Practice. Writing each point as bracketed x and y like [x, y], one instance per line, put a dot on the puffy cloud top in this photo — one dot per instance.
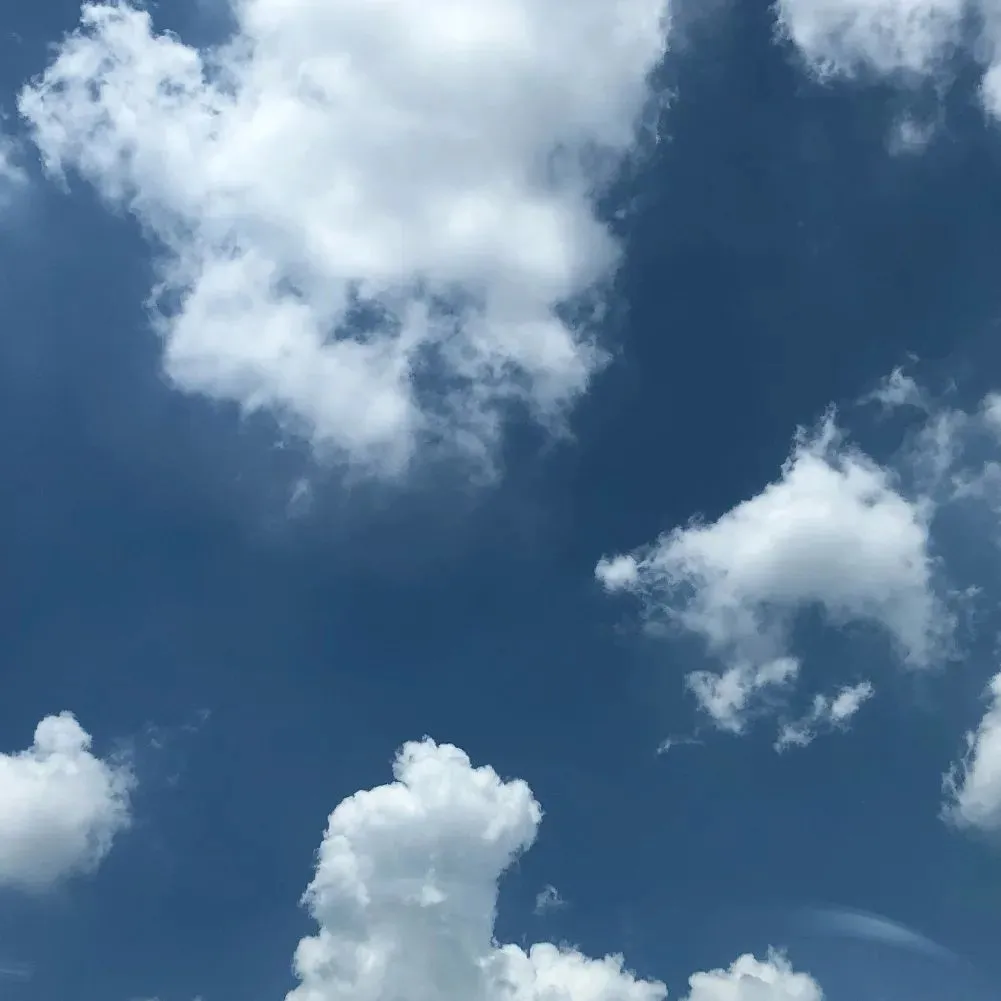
[60, 806]
[405, 893]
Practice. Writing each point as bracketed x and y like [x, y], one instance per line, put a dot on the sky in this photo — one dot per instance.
[502, 500]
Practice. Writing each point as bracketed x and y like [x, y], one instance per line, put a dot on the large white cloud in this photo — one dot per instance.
[833, 532]
[369, 212]
[894, 38]
[405, 893]
[973, 785]
[60, 806]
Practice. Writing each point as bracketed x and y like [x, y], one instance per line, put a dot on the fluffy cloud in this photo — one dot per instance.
[750, 979]
[60, 806]
[973, 786]
[887, 36]
[405, 893]
[910, 38]
[832, 532]
[371, 215]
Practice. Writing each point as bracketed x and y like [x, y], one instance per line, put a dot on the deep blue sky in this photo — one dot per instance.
[778, 259]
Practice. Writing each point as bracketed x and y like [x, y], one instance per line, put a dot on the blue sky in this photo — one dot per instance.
[556, 384]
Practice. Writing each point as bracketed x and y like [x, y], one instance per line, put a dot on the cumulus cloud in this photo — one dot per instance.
[376, 220]
[750, 979]
[907, 39]
[405, 894]
[973, 785]
[833, 532]
[826, 713]
[60, 806]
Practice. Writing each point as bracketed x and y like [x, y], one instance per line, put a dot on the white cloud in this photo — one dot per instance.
[427, 163]
[897, 390]
[405, 893]
[841, 37]
[548, 899]
[895, 38]
[826, 713]
[729, 697]
[833, 532]
[750, 979]
[973, 785]
[954, 453]
[60, 806]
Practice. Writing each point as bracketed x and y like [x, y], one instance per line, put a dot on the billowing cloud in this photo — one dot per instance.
[832, 532]
[750, 979]
[973, 785]
[60, 806]
[375, 219]
[405, 894]
[906, 39]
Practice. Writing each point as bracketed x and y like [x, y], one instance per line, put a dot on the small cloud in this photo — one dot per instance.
[10, 970]
[897, 390]
[548, 899]
[826, 713]
[667, 743]
[61, 806]
[911, 135]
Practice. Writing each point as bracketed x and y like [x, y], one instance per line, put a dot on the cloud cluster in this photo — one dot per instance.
[907, 39]
[60, 806]
[405, 894]
[832, 532]
[375, 219]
